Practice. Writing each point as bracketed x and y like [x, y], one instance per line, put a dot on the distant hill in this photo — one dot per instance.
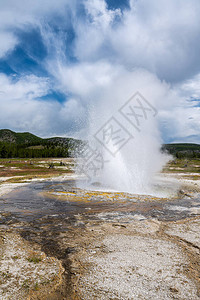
[183, 150]
[25, 144]
[23, 138]
[10, 136]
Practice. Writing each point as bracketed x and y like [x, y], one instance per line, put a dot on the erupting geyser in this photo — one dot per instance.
[123, 149]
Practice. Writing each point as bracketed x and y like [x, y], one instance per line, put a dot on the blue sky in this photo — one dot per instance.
[55, 57]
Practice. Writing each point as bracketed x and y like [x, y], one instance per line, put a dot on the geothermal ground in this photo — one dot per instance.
[61, 242]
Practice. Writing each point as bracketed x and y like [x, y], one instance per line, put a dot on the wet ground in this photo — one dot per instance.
[55, 216]
[28, 203]
[63, 200]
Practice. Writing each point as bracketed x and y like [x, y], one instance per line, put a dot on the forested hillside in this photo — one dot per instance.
[27, 145]
[183, 150]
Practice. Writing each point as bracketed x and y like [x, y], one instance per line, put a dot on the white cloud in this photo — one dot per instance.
[190, 88]
[8, 42]
[160, 37]
[183, 124]
[21, 108]
[25, 13]
[84, 78]
[26, 87]
[99, 15]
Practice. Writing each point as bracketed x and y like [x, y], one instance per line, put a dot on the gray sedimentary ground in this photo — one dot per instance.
[136, 261]
[68, 243]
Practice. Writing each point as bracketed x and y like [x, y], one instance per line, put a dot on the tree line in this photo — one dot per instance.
[182, 150]
[187, 154]
[11, 150]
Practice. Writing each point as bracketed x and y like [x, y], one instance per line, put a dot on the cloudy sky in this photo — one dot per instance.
[54, 54]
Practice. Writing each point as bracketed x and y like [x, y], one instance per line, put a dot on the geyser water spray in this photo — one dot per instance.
[122, 151]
